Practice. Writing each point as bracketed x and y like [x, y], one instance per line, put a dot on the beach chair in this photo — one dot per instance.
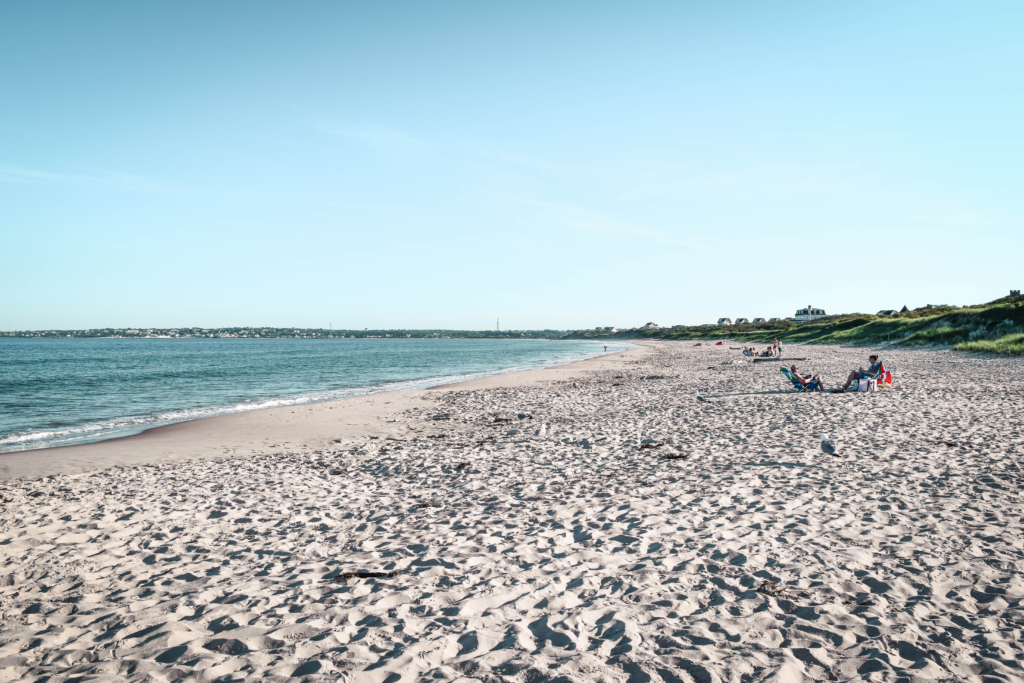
[797, 384]
[882, 377]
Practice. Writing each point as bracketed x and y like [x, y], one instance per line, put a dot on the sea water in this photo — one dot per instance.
[56, 392]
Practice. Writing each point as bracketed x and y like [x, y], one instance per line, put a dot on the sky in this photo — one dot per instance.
[560, 165]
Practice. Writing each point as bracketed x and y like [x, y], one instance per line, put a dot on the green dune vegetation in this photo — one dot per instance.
[987, 328]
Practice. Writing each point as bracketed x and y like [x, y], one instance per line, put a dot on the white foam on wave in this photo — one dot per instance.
[125, 426]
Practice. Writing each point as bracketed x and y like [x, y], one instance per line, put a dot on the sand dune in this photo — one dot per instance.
[580, 556]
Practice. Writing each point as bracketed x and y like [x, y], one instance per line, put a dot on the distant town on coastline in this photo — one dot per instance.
[995, 327]
[283, 333]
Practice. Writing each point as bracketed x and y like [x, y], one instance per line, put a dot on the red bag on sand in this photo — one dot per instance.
[718, 344]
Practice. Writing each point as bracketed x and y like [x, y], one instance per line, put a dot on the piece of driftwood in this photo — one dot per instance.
[675, 456]
[650, 445]
[345, 576]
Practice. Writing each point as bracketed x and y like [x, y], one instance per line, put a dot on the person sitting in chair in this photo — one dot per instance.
[806, 379]
[874, 370]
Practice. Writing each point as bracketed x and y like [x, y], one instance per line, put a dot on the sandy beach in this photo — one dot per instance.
[434, 536]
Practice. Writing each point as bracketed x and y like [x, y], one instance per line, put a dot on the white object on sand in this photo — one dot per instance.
[543, 430]
[701, 398]
[827, 445]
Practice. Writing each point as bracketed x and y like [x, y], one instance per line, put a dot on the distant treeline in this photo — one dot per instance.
[284, 332]
[990, 327]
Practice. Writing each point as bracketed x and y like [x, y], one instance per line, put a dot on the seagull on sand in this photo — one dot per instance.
[701, 399]
[827, 446]
[543, 430]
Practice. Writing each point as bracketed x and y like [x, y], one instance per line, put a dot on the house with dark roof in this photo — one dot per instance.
[887, 313]
[741, 321]
[759, 320]
[725, 321]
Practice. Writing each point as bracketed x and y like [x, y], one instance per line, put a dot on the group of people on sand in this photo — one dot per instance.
[772, 351]
[875, 370]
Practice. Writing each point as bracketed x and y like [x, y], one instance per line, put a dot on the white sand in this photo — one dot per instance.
[578, 557]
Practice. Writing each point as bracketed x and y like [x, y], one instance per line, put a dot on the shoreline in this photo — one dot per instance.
[128, 424]
[231, 434]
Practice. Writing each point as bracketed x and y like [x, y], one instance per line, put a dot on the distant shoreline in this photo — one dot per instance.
[289, 333]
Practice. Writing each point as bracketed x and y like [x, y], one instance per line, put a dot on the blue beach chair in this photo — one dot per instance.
[797, 384]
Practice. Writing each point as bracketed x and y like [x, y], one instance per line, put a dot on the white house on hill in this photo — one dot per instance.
[741, 321]
[725, 321]
[759, 320]
[810, 313]
[651, 326]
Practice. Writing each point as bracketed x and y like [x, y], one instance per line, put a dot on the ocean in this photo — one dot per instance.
[56, 392]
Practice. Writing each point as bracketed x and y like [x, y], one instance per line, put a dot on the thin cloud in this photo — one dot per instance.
[95, 178]
[630, 229]
[531, 162]
[594, 221]
[968, 219]
[762, 179]
[380, 137]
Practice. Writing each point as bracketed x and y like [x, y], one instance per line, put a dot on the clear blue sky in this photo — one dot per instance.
[558, 165]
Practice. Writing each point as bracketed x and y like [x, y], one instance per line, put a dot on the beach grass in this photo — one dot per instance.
[1015, 342]
[987, 328]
